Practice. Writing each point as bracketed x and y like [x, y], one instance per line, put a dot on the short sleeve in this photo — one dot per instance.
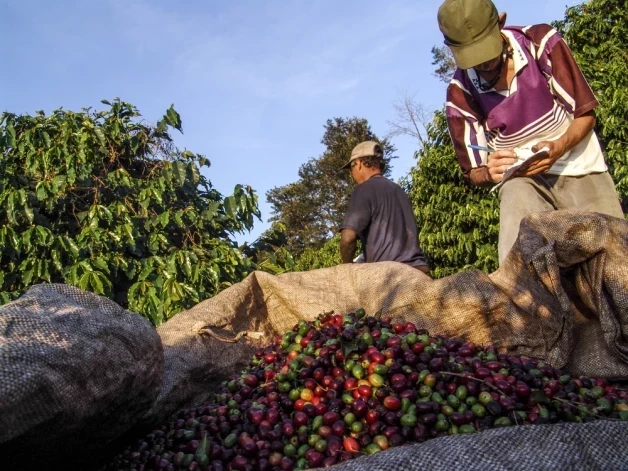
[358, 215]
[564, 76]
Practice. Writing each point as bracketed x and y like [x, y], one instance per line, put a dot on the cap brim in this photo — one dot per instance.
[485, 49]
[358, 158]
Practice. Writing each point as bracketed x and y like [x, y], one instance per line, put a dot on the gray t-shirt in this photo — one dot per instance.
[381, 214]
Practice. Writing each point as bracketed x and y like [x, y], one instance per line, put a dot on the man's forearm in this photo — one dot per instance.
[577, 131]
[347, 250]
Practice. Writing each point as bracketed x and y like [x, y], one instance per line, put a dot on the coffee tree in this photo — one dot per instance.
[270, 254]
[459, 223]
[102, 201]
[596, 32]
[327, 256]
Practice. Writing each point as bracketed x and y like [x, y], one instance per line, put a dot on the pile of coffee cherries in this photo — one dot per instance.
[341, 387]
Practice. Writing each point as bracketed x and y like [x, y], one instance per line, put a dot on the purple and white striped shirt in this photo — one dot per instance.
[546, 94]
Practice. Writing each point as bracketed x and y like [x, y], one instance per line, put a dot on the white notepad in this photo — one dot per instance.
[526, 157]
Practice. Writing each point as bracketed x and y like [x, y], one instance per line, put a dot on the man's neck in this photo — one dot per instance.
[369, 176]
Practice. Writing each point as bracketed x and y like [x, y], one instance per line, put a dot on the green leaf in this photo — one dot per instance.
[540, 397]
[27, 239]
[10, 133]
[47, 139]
[44, 236]
[41, 191]
[179, 172]
[155, 308]
[29, 214]
[27, 275]
[164, 218]
[56, 260]
[178, 218]
[84, 282]
[231, 207]
[44, 270]
[187, 265]
[96, 283]
[145, 273]
[104, 213]
[173, 118]
[100, 135]
[348, 347]
[162, 127]
[101, 264]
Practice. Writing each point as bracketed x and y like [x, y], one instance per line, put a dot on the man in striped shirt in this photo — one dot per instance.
[516, 91]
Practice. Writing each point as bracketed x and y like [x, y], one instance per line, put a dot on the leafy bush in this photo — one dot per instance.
[458, 223]
[269, 253]
[596, 32]
[327, 256]
[104, 202]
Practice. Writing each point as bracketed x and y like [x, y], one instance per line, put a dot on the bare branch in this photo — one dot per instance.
[411, 118]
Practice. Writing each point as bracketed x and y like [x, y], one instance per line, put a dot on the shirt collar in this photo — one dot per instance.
[518, 56]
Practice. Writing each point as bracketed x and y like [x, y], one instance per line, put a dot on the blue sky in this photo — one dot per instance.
[253, 80]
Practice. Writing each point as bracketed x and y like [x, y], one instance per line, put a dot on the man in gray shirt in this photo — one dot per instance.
[379, 214]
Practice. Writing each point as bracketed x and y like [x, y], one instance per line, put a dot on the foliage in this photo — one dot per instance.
[312, 208]
[104, 202]
[326, 256]
[444, 60]
[596, 33]
[458, 223]
[269, 252]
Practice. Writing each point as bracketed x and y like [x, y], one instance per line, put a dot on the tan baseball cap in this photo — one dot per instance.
[365, 149]
[471, 30]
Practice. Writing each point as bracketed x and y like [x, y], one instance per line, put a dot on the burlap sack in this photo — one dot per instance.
[76, 372]
[560, 294]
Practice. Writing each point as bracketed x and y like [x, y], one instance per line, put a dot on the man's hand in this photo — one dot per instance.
[348, 242]
[576, 132]
[498, 162]
[542, 164]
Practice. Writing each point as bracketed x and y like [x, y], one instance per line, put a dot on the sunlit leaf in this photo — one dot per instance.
[231, 207]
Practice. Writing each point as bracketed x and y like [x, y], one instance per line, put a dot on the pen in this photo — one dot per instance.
[487, 149]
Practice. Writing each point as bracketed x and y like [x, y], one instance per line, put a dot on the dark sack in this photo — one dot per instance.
[76, 372]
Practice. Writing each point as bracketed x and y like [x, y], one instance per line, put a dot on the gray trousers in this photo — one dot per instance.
[522, 196]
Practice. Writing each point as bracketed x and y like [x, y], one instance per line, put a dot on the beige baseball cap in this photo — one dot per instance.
[365, 149]
[471, 30]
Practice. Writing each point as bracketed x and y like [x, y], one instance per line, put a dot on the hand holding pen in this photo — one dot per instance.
[498, 161]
